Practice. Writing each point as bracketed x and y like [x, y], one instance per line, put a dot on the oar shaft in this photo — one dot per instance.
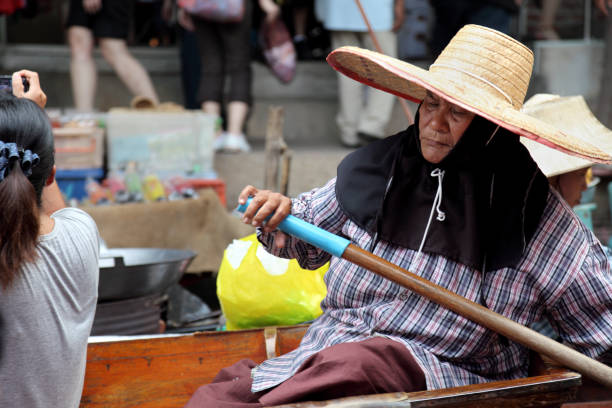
[481, 315]
[341, 247]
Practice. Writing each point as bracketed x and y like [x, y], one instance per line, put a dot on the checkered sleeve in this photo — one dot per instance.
[583, 314]
[318, 207]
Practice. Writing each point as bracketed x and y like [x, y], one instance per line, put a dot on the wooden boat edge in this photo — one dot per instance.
[131, 354]
[457, 396]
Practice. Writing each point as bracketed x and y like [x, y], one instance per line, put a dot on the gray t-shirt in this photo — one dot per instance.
[46, 317]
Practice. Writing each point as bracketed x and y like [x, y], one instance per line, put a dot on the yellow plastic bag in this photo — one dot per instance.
[257, 289]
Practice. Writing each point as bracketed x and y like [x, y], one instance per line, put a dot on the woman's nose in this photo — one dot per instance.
[439, 122]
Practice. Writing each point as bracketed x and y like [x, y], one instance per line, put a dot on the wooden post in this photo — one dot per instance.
[284, 178]
[278, 156]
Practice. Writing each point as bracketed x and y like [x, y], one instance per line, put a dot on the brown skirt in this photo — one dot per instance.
[373, 366]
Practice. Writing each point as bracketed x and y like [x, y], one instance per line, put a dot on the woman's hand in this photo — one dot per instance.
[35, 92]
[263, 204]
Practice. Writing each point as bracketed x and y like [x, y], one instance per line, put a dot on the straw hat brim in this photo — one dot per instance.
[553, 162]
[411, 82]
[572, 116]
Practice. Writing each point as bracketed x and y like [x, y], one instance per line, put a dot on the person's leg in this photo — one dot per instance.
[231, 388]
[379, 105]
[127, 68]
[546, 25]
[212, 79]
[237, 55]
[110, 27]
[300, 18]
[212, 107]
[301, 11]
[236, 113]
[191, 67]
[349, 93]
[82, 67]
[373, 366]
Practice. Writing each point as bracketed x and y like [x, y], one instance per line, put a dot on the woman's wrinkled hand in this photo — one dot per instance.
[264, 204]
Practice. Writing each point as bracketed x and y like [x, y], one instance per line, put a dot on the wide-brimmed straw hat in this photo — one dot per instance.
[572, 116]
[481, 70]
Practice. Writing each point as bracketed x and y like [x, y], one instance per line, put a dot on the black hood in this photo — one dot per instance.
[493, 195]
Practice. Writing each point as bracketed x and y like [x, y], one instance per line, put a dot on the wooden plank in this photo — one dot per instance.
[164, 372]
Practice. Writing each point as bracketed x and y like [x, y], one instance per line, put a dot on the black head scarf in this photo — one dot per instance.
[492, 195]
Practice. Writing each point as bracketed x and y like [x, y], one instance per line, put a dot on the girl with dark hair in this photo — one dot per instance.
[48, 263]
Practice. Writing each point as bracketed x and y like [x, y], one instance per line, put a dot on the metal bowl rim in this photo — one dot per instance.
[180, 255]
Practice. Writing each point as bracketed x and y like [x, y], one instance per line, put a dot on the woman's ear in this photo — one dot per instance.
[51, 177]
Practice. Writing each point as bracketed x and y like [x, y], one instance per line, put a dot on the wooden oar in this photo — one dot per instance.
[342, 248]
[379, 49]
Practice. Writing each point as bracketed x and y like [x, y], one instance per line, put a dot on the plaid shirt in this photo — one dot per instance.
[564, 275]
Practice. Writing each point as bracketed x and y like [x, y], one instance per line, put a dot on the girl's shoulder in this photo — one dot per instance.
[75, 215]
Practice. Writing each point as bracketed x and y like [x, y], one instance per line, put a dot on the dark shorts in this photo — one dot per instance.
[111, 21]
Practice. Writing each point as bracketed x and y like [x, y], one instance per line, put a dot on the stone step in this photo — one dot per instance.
[309, 101]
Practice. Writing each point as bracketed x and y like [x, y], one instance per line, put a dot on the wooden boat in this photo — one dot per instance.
[164, 371]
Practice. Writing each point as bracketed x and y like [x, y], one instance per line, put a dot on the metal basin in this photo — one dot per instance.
[134, 272]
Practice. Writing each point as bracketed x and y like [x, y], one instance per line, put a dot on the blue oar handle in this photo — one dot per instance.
[316, 236]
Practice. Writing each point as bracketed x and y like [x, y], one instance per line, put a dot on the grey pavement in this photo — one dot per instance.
[310, 167]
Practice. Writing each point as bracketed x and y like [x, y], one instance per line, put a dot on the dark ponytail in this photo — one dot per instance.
[19, 224]
[22, 122]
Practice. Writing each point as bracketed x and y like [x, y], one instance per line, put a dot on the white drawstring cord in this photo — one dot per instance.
[435, 206]
[491, 138]
[440, 175]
